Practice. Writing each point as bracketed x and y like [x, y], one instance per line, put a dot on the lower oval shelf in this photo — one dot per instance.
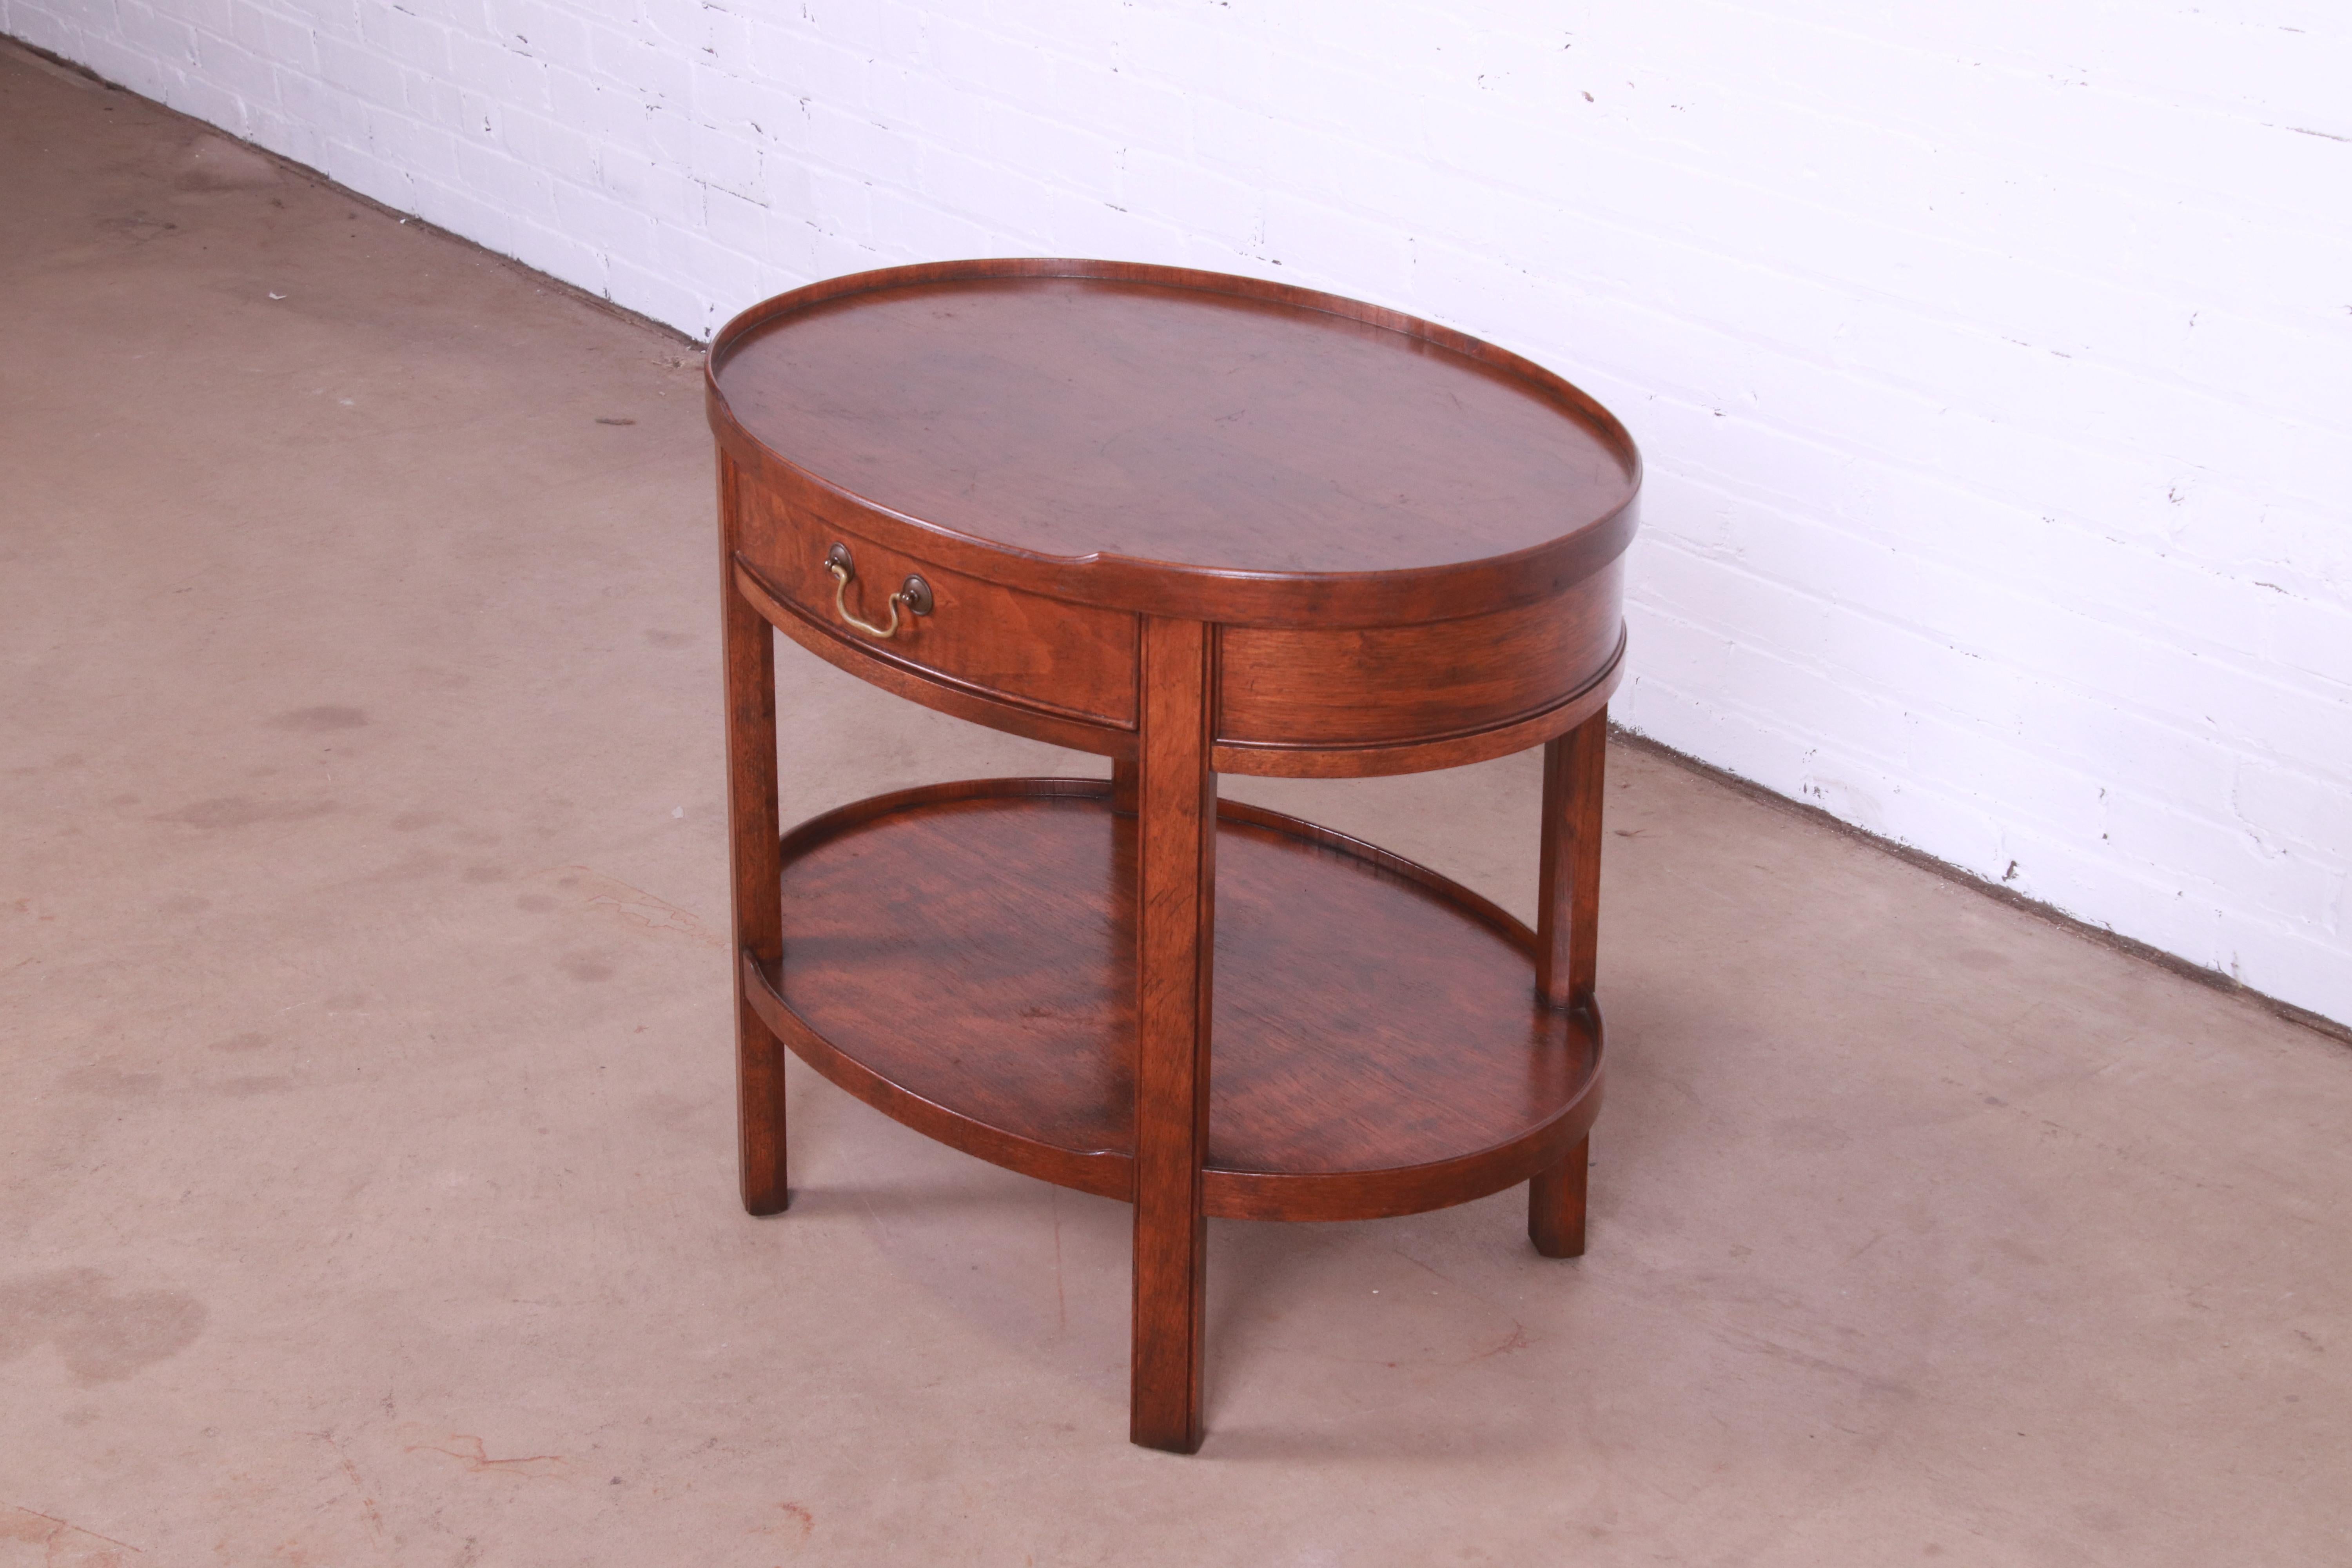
[963, 958]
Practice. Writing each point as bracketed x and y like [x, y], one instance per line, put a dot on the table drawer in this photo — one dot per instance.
[1388, 686]
[1024, 647]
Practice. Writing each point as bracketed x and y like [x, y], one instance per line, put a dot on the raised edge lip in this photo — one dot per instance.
[814, 832]
[1554, 387]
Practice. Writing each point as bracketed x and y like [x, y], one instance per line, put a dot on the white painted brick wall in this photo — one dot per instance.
[1993, 363]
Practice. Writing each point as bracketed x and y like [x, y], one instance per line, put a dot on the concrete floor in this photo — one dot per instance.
[366, 1190]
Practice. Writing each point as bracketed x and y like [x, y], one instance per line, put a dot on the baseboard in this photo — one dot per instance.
[2213, 979]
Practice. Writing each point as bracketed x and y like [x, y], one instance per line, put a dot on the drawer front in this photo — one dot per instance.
[1042, 653]
[1392, 684]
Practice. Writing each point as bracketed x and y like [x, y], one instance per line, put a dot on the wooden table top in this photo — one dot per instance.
[1077, 410]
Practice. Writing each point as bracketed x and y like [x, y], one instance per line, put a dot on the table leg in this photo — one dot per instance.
[1568, 929]
[750, 657]
[1123, 775]
[1176, 892]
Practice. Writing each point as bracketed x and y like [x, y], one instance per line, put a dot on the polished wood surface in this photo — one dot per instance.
[969, 951]
[1408, 539]
[1378, 686]
[1062, 658]
[1174, 901]
[1556, 1197]
[1568, 869]
[1567, 935]
[1194, 523]
[1272, 758]
[1356, 760]
[1069, 416]
[1177, 443]
[747, 660]
[928, 686]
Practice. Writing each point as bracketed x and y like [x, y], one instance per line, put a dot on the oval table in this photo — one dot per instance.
[1196, 524]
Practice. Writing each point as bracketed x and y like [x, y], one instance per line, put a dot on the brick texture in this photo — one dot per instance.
[1993, 363]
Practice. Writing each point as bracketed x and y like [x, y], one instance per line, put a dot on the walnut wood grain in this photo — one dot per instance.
[999, 913]
[1555, 1203]
[1071, 660]
[1194, 523]
[1371, 686]
[1568, 934]
[1175, 904]
[928, 686]
[1175, 442]
[749, 663]
[1291, 759]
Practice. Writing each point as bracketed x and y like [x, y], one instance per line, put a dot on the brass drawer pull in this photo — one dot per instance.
[914, 592]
